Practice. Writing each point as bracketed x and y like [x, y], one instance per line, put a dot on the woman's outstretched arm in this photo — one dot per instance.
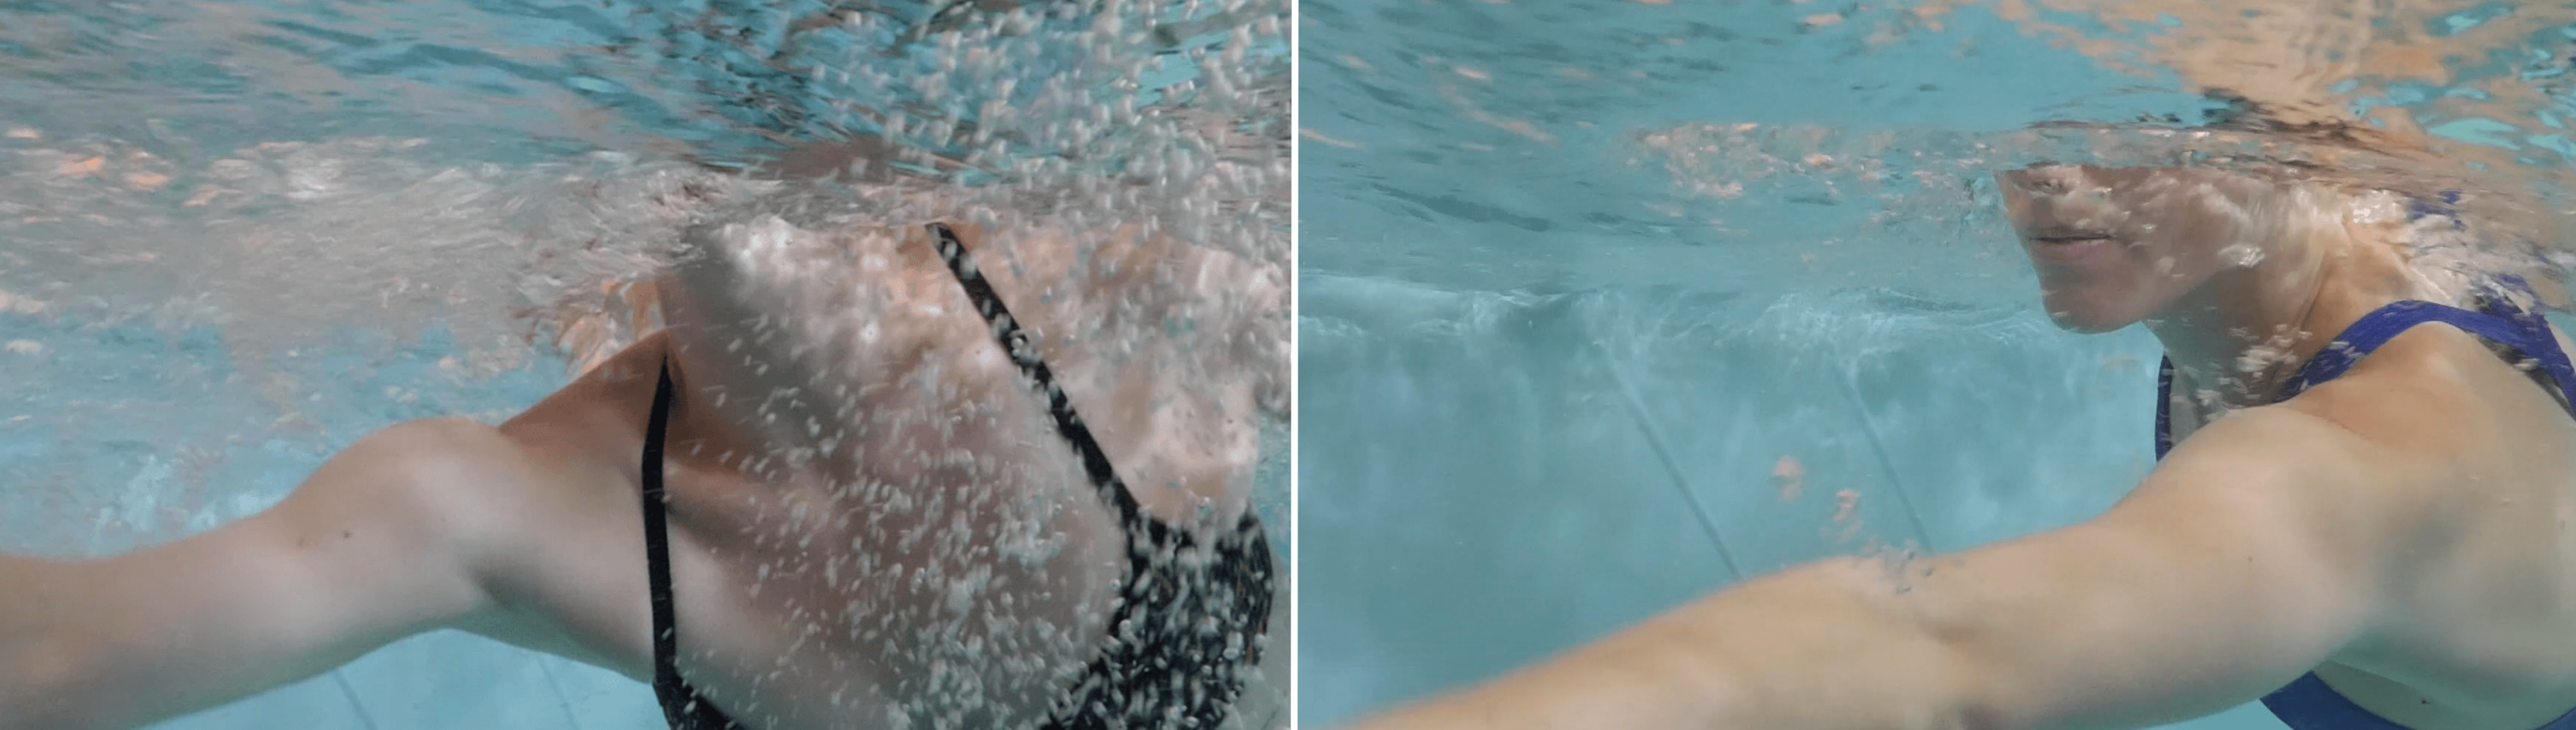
[2250, 557]
[365, 552]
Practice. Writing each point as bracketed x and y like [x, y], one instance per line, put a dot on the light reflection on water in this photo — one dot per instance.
[491, 172]
[1499, 146]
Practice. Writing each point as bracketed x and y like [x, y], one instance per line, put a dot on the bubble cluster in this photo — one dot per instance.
[1143, 218]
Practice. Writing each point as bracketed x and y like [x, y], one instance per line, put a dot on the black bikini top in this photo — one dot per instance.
[681, 704]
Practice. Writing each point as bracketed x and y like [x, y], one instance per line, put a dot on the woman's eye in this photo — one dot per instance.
[2040, 184]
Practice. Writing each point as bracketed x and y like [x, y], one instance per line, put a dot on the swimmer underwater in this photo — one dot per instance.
[823, 497]
[2363, 521]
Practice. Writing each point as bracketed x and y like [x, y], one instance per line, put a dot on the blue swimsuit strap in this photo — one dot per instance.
[2502, 322]
[2525, 332]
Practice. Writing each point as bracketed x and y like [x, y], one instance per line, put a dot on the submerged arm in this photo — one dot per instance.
[358, 556]
[2226, 575]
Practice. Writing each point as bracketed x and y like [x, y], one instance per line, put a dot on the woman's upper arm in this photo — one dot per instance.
[2251, 556]
[366, 551]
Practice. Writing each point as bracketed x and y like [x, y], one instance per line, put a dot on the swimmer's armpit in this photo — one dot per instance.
[2215, 582]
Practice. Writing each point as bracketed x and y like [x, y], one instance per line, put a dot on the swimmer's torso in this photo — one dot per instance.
[942, 561]
[2481, 485]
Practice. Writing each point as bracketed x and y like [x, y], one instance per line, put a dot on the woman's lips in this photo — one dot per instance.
[2072, 250]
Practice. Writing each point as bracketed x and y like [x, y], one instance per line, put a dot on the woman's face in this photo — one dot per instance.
[2114, 246]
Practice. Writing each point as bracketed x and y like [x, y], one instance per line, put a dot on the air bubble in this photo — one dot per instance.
[2242, 255]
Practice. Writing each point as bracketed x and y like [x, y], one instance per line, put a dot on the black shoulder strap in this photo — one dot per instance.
[681, 705]
[1015, 342]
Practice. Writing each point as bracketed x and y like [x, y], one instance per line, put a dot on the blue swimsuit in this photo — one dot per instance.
[2308, 704]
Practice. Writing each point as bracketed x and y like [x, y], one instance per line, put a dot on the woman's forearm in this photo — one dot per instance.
[42, 658]
[1828, 646]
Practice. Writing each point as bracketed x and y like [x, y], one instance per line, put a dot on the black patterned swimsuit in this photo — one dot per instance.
[1180, 637]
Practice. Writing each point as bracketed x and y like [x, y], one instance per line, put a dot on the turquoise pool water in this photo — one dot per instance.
[1564, 263]
[236, 236]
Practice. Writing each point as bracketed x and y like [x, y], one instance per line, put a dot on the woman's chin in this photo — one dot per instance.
[2083, 326]
[2089, 318]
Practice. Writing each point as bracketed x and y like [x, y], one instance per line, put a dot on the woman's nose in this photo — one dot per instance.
[2045, 181]
[2061, 196]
